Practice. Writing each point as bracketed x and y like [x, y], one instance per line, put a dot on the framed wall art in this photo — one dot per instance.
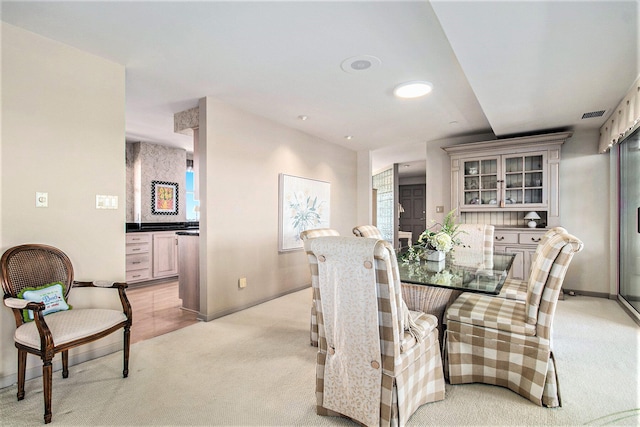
[303, 204]
[164, 198]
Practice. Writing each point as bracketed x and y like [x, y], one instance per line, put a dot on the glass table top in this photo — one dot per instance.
[469, 273]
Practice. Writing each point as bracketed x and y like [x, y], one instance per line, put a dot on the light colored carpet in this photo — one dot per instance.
[256, 367]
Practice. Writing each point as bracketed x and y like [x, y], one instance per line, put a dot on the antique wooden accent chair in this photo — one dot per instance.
[517, 289]
[306, 235]
[32, 273]
[507, 342]
[377, 361]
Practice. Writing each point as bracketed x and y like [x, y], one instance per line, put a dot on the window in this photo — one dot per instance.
[193, 205]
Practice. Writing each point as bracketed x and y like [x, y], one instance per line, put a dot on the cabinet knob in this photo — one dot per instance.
[500, 238]
[536, 240]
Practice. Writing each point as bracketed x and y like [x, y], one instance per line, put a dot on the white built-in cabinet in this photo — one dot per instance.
[523, 243]
[151, 255]
[508, 175]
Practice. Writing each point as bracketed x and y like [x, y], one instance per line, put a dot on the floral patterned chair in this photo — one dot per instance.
[507, 342]
[306, 235]
[377, 361]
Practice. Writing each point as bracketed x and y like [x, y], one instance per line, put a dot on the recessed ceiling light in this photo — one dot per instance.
[348, 137]
[303, 117]
[413, 89]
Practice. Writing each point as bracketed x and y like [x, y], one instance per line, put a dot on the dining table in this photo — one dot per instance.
[432, 286]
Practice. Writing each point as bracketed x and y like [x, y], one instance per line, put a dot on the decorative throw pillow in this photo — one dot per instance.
[51, 294]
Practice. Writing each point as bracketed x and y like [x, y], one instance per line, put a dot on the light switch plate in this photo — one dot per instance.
[42, 200]
[106, 202]
[439, 209]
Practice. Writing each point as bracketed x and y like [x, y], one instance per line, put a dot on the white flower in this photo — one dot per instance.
[442, 242]
[442, 278]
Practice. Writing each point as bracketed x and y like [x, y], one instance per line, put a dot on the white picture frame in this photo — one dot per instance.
[304, 204]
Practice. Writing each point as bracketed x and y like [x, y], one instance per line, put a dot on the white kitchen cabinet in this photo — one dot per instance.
[165, 254]
[151, 255]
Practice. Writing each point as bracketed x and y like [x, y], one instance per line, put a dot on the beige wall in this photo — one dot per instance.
[62, 133]
[241, 158]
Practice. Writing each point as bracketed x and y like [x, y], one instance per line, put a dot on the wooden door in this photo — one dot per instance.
[413, 201]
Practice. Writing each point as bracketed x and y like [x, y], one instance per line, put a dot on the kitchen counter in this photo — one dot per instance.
[141, 227]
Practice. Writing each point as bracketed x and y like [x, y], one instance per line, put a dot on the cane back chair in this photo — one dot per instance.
[507, 342]
[31, 266]
[306, 235]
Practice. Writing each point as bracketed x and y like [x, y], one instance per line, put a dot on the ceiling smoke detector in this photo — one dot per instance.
[360, 63]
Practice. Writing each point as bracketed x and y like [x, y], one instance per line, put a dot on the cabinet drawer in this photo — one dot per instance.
[501, 237]
[529, 238]
[138, 238]
[136, 262]
[137, 248]
[137, 275]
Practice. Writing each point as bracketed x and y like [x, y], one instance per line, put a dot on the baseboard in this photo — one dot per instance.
[573, 292]
[74, 359]
[628, 308]
[226, 312]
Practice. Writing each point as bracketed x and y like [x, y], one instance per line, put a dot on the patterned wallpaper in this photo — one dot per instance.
[147, 162]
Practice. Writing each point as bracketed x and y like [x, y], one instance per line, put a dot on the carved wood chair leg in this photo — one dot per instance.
[47, 373]
[65, 364]
[22, 366]
[127, 344]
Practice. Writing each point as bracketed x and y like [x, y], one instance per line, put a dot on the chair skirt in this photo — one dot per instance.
[421, 381]
[523, 364]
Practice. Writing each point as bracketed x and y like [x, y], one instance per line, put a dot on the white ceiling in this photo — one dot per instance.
[500, 68]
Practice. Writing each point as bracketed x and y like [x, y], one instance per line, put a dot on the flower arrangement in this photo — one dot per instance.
[439, 237]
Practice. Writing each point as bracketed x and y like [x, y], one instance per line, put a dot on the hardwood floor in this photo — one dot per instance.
[156, 310]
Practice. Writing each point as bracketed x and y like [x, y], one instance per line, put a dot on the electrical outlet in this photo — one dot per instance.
[242, 282]
[439, 209]
[42, 200]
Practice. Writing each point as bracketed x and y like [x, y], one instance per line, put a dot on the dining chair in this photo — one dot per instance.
[476, 245]
[304, 236]
[37, 281]
[367, 231]
[377, 361]
[517, 289]
[508, 342]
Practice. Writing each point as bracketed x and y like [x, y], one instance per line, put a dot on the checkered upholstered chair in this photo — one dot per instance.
[517, 289]
[403, 353]
[507, 342]
[306, 235]
[476, 245]
[367, 231]
[43, 331]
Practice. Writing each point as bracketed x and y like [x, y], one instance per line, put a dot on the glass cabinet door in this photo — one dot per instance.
[523, 179]
[481, 182]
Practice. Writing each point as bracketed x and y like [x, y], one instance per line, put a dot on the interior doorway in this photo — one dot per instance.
[413, 209]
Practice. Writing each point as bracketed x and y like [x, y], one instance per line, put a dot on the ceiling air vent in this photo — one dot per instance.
[593, 114]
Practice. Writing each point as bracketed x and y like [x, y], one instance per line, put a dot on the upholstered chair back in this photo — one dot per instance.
[545, 283]
[367, 231]
[476, 245]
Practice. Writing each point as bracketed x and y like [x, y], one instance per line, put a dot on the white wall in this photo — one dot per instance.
[241, 157]
[584, 210]
[62, 133]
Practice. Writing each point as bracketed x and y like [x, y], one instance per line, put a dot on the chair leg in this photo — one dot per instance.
[127, 344]
[65, 364]
[22, 366]
[47, 372]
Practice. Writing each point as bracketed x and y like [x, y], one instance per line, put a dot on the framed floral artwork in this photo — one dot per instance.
[304, 204]
[164, 198]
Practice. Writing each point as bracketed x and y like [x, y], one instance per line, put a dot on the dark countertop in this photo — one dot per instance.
[188, 233]
[142, 227]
